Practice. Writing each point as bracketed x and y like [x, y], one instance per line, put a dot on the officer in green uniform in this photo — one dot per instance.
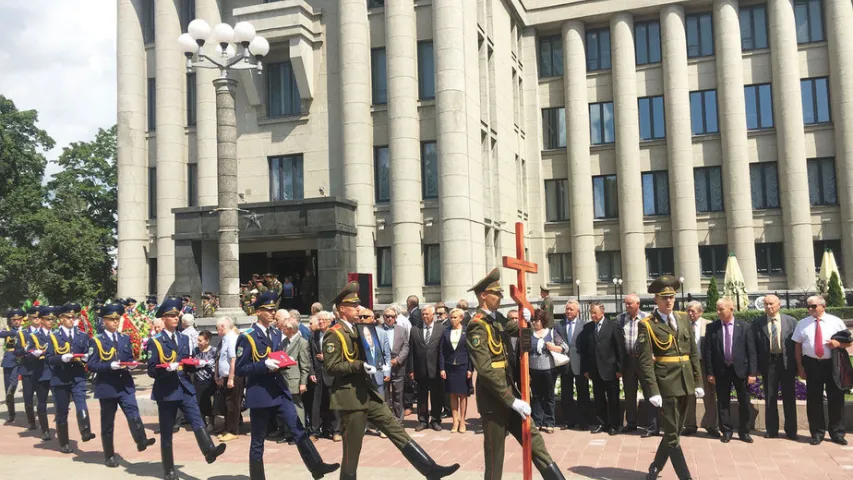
[547, 306]
[498, 397]
[353, 394]
[670, 364]
[207, 309]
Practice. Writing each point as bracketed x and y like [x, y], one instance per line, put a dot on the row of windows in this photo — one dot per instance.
[699, 29]
[426, 73]
[429, 172]
[432, 265]
[186, 13]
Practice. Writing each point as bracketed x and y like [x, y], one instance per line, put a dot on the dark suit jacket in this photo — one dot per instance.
[744, 359]
[415, 318]
[424, 356]
[601, 357]
[458, 357]
[315, 348]
[762, 343]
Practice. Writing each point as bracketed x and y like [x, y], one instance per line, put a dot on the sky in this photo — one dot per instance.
[59, 58]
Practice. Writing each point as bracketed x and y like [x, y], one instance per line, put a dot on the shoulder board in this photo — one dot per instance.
[336, 326]
[478, 317]
[649, 318]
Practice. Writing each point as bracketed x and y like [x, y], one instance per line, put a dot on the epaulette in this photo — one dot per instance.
[336, 326]
[477, 317]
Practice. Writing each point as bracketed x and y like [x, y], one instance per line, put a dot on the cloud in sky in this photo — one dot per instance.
[59, 57]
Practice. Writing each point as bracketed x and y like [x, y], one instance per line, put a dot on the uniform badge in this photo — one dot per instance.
[330, 348]
[475, 340]
[239, 351]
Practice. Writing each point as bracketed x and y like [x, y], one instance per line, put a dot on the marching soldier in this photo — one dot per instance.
[267, 395]
[27, 363]
[670, 364]
[10, 361]
[358, 400]
[173, 390]
[498, 397]
[37, 344]
[68, 375]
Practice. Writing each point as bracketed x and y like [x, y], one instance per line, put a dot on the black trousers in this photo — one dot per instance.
[774, 376]
[542, 397]
[724, 382]
[204, 392]
[631, 382]
[323, 420]
[575, 412]
[431, 389]
[607, 402]
[818, 377]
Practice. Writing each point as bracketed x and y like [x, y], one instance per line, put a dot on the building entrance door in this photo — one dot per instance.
[296, 270]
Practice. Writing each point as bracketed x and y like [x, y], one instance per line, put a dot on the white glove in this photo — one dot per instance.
[173, 366]
[115, 366]
[36, 353]
[700, 392]
[370, 369]
[272, 365]
[656, 401]
[526, 314]
[67, 358]
[540, 344]
[203, 363]
[386, 370]
[522, 407]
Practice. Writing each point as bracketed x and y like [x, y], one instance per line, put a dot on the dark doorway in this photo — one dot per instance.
[299, 266]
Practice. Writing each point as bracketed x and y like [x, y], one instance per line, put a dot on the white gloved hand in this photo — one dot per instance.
[272, 365]
[386, 370]
[526, 314]
[370, 369]
[67, 358]
[36, 353]
[173, 366]
[203, 363]
[700, 392]
[521, 407]
[656, 401]
[115, 366]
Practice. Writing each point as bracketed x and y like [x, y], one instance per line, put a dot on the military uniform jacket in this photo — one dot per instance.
[26, 362]
[169, 386]
[111, 383]
[207, 311]
[263, 387]
[548, 308]
[10, 359]
[30, 365]
[343, 360]
[669, 360]
[491, 352]
[59, 344]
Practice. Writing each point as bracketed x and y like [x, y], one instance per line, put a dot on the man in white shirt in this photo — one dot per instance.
[632, 373]
[226, 379]
[709, 418]
[188, 321]
[813, 347]
[398, 342]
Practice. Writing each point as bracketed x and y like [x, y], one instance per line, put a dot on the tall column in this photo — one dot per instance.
[229, 228]
[401, 51]
[679, 147]
[357, 131]
[577, 152]
[132, 159]
[839, 19]
[171, 165]
[205, 126]
[628, 179]
[454, 192]
[732, 113]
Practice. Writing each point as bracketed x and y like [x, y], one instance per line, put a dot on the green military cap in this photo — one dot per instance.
[490, 283]
[543, 289]
[665, 286]
[348, 295]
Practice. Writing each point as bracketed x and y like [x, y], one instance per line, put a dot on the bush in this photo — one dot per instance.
[757, 390]
[835, 297]
[797, 313]
[713, 296]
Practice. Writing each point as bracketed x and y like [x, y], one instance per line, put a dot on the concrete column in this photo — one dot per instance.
[205, 127]
[229, 229]
[132, 159]
[171, 151]
[357, 131]
[679, 147]
[401, 51]
[577, 152]
[839, 19]
[732, 119]
[628, 177]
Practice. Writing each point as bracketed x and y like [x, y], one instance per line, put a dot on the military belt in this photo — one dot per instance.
[10, 349]
[501, 364]
[681, 359]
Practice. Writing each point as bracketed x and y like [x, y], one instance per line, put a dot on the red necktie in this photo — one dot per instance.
[818, 339]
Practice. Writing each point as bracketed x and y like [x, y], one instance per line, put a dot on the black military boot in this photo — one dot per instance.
[347, 476]
[62, 435]
[679, 463]
[168, 458]
[311, 458]
[552, 472]
[31, 417]
[137, 431]
[424, 464]
[256, 470]
[45, 427]
[205, 444]
[10, 407]
[85, 425]
[109, 450]
[659, 461]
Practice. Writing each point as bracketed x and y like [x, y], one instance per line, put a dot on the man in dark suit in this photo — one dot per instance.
[774, 348]
[571, 376]
[398, 340]
[324, 422]
[602, 350]
[629, 322]
[415, 316]
[425, 348]
[729, 359]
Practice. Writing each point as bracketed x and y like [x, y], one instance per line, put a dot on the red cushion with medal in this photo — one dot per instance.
[284, 359]
[190, 362]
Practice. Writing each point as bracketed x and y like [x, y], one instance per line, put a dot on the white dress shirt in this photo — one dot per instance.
[697, 329]
[805, 333]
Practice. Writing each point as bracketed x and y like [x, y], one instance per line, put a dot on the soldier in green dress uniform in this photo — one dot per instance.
[670, 365]
[353, 394]
[498, 397]
[547, 306]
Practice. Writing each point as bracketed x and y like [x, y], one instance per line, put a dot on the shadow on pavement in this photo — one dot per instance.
[609, 473]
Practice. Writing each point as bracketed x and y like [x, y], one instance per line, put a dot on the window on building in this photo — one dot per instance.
[560, 267]
[152, 104]
[708, 183]
[609, 265]
[647, 42]
[753, 27]
[378, 77]
[764, 183]
[651, 111]
[808, 15]
[553, 128]
[282, 91]
[148, 21]
[152, 192]
[815, 93]
[597, 49]
[551, 56]
[375, 3]
[286, 177]
[601, 123]
[186, 13]
[700, 35]
[429, 170]
[713, 259]
[660, 261]
[656, 193]
[556, 200]
[821, 246]
[769, 258]
[426, 71]
[821, 172]
[382, 167]
[192, 184]
[703, 112]
[759, 106]
[152, 274]
[191, 99]
[383, 267]
[604, 196]
[432, 265]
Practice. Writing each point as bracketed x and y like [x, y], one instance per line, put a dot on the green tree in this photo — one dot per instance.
[835, 297]
[713, 296]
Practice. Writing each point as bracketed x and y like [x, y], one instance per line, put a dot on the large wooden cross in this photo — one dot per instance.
[519, 294]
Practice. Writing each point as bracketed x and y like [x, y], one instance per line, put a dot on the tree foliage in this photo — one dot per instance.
[713, 296]
[835, 297]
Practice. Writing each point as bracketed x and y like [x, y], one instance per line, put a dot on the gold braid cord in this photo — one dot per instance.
[37, 344]
[348, 356]
[105, 356]
[664, 346]
[497, 348]
[255, 355]
[163, 358]
[59, 351]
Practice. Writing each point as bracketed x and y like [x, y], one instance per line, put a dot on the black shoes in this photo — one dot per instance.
[256, 470]
[552, 472]
[421, 427]
[650, 433]
[311, 458]
[815, 440]
[45, 428]
[424, 464]
[109, 450]
[137, 431]
[770, 435]
[689, 431]
[168, 460]
[62, 435]
[745, 437]
[839, 440]
[612, 431]
[436, 426]
[205, 444]
[85, 426]
[714, 432]
[31, 417]
[659, 462]
[597, 429]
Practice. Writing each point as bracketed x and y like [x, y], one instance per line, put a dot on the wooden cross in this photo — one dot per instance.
[519, 294]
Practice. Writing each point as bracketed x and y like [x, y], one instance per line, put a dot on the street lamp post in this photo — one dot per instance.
[615, 294]
[681, 282]
[247, 55]
[578, 289]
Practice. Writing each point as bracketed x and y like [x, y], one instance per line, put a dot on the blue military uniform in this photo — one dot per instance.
[37, 343]
[114, 386]
[10, 363]
[68, 377]
[26, 363]
[173, 390]
[267, 395]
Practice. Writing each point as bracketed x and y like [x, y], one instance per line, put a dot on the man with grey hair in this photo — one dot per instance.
[188, 321]
[316, 308]
[571, 376]
[398, 342]
[324, 422]
[225, 376]
[632, 372]
[297, 375]
[709, 418]
[425, 348]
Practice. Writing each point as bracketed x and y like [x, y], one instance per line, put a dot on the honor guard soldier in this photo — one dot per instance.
[114, 384]
[66, 351]
[10, 361]
[27, 362]
[37, 344]
[353, 394]
[670, 365]
[173, 389]
[267, 395]
[488, 340]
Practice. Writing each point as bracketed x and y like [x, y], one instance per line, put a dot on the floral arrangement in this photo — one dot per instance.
[758, 390]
